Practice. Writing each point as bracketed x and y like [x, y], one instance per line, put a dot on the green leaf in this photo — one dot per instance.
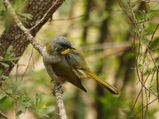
[4, 64]
[5, 77]
[19, 112]
[24, 102]
[9, 54]
[149, 29]
[38, 99]
[155, 43]
[140, 66]
[2, 5]
[3, 96]
[129, 55]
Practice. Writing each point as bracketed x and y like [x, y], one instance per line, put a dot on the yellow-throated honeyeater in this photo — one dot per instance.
[72, 67]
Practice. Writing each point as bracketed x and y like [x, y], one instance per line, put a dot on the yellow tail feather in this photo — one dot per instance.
[102, 82]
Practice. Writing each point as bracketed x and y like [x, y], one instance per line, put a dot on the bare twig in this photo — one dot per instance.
[145, 106]
[141, 53]
[3, 115]
[157, 85]
[27, 65]
[141, 91]
[113, 46]
[40, 49]
[70, 18]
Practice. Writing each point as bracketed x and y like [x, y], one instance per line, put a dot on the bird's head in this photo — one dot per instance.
[61, 45]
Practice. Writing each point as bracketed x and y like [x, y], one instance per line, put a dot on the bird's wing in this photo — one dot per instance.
[76, 60]
[77, 63]
[82, 71]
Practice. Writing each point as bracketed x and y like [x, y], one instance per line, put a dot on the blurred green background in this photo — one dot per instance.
[114, 49]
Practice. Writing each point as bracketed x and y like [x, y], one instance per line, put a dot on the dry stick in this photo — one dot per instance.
[27, 65]
[144, 107]
[139, 94]
[39, 48]
[3, 115]
[70, 18]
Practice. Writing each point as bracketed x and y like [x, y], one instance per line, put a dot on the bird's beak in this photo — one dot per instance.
[66, 51]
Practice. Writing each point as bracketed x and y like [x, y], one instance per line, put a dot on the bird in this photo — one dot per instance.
[72, 66]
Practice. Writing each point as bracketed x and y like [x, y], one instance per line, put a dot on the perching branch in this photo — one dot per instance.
[40, 49]
[59, 99]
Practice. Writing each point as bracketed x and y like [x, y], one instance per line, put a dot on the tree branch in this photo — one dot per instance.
[57, 87]
[30, 38]
[57, 91]
[13, 36]
[3, 115]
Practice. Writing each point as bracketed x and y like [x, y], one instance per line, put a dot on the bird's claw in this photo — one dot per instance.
[57, 88]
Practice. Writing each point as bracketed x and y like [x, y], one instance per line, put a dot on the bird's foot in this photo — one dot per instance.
[57, 88]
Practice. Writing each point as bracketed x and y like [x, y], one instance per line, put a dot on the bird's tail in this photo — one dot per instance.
[102, 82]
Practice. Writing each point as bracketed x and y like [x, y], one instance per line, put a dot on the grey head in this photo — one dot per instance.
[60, 44]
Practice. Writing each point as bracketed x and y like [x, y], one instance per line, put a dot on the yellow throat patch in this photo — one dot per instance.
[66, 51]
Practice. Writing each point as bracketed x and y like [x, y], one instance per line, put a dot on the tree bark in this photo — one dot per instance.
[14, 37]
[86, 20]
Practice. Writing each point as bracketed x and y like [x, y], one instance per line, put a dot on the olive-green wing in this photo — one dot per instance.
[81, 70]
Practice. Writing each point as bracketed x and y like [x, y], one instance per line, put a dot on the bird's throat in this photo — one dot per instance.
[65, 52]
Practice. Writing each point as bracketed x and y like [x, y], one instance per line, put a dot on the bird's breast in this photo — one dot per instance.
[65, 67]
[61, 68]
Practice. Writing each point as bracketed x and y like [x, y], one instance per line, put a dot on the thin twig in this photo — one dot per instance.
[139, 94]
[140, 74]
[70, 18]
[27, 65]
[3, 115]
[40, 49]
[157, 85]
[145, 107]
